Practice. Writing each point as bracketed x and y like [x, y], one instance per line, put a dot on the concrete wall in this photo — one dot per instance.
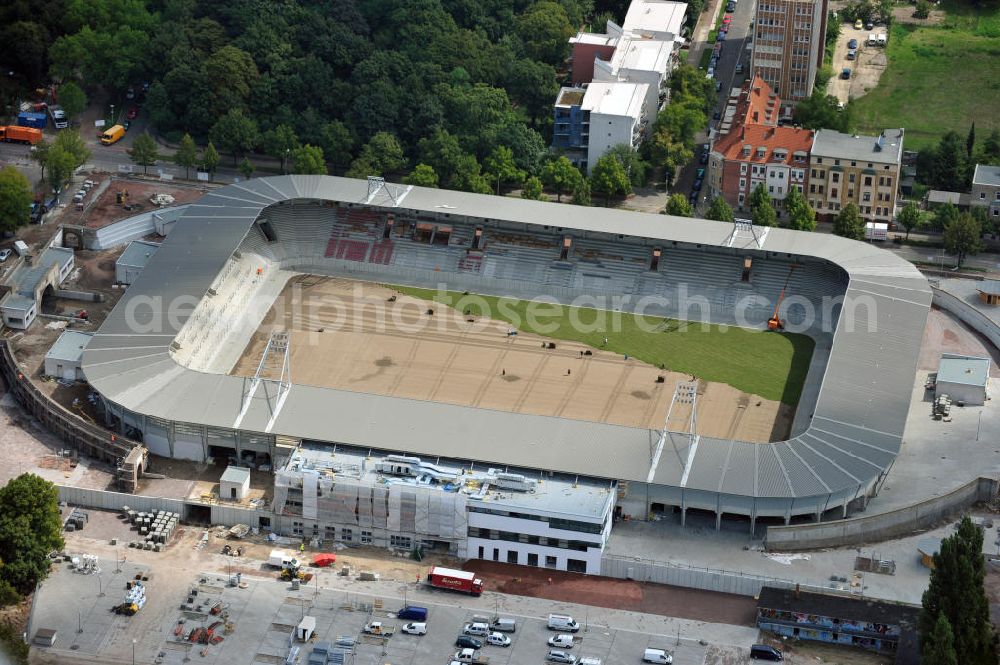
[968, 314]
[883, 526]
[88, 498]
[132, 228]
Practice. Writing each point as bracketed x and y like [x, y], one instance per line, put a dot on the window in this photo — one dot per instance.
[850, 193]
[366, 538]
[770, 189]
[836, 162]
[819, 160]
[850, 178]
[812, 189]
[743, 183]
[868, 181]
[346, 535]
[532, 559]
[550, 561]
[867, 196]
[512, 556]
[741, 199]
[982, 195]
[747, 264]
[833, 193]
[743, 169]
[836, 177]
[402, 542]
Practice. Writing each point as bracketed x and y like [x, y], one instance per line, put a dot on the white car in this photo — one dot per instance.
[498, 640]
[482, 629]
[561, 657]
[415, 628]
[561, 640]
[4, 255]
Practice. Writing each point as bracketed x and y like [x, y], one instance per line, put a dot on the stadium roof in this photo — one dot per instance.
[854, 434]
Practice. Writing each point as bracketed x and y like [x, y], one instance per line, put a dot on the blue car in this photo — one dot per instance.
[852, 44]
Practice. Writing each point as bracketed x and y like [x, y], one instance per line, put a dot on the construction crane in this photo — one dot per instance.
[775, 323]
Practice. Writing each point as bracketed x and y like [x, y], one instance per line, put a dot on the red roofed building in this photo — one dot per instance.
[756, 151]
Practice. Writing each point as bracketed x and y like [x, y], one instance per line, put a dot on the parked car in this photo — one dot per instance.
[852, 44]
[869, 25]
[498, 640]
[845, 73]
[731, 7]
[852, 55]
[130, 93]
[415, 628]
[716, 114]
[4, 255]
[765, 652]
[133, 111]
[126, 124]
[697, 185]
[739, 68]
[561, 657]
[718, 86]
[699, 174]
[721, 37]
[466, 642]
[693, 198]
[561, 640]
[476, 628]
[858, 25]
[657, 656]
[727, 19]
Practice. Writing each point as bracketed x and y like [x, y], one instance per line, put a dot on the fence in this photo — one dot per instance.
[708, 579]
[883, 526]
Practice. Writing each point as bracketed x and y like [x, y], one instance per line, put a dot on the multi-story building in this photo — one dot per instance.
[753, 150]
[403, 502]
[986, 188]
[590, 121]
[788, 42]
[864, 170]
[656, 19]
[586, 47]
[648, 61]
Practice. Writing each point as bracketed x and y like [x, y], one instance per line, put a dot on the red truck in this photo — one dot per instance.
[455, 580]
[17, 134]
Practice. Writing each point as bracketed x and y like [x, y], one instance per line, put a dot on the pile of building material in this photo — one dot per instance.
[85, 564]
[135, 598]
[156, 528]
[76, 520]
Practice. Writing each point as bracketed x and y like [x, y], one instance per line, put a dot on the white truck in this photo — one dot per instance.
[378, 628]
[470, 656]
[283, 560]
[58, 116]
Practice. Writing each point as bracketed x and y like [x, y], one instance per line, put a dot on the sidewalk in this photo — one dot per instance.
[701, 29]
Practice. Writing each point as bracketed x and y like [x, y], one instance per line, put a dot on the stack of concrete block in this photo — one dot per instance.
[156, 528]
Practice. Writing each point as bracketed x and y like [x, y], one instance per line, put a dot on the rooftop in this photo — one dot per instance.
[964, 370]
[986, 175]
[615, 98]
[235, 474]
[779, 144]
[991, 286]
[27, 277]
[838, 607]
[646, 16]
[942, 196]
[887, 147]
[594, 38]
[645, 55]
[503, 488]
[18, 302]
[137, 253]
[70, 345]
[757, 104]
[570, 96]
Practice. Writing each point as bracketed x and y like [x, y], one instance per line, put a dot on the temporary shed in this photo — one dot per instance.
[963, 378]
[44, 637]
[235, 483]
[989, 292]
[305, 629]
[63, 359]
[130, 264]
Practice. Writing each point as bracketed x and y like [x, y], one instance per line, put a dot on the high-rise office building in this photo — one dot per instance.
[788, 42]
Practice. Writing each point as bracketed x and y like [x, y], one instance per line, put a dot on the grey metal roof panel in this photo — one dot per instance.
[860, 412]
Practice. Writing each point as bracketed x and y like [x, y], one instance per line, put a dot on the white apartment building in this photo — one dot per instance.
[403, 502]
[616, 115]
[656, 19]
[646, 61]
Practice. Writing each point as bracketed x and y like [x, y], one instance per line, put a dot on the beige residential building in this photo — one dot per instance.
[864, 170]
[788, 42]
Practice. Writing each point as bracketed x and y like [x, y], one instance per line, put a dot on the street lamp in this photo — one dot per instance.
[133, 651]
[112, 114]
[100, 586]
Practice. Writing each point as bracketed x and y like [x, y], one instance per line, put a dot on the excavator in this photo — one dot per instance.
[775, 323]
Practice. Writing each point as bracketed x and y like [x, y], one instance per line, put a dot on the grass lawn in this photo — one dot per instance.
[771, 365]
[939, 78]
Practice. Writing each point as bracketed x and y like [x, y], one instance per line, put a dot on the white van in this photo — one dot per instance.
[563, 622]
[498, 640]
[589, 660]
[657, 656]
[504, 625]
[415, 628]
[476, 629]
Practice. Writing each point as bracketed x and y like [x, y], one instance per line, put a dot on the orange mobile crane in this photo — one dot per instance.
[775, 322]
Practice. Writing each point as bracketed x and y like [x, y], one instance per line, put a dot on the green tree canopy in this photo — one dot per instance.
[720, 211]
[949, 166]
[761, 209]
[30, 528]
[849, 223]
[308, 160]
[633, 165]
[246, 168]
[186, 155]
[956, 592]
[963, 236]
[939, 648]
[15, 199]
[532, 189]
[821, 111]
[61, 164]
[801, 216]
[144, 151]
[544, 29]
[422, 176]
[679, 206]
[909, 217]
[560, 176]
[72, 143]
[500, 167]
[210, 159]
[581, 192]
[280, 142]
[72, 99]
[608, 178]
[380, 156]
[236, 133]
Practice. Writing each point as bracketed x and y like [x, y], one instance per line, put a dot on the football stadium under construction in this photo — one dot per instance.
[163, 364]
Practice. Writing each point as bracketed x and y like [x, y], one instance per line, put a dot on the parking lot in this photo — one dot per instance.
[866, 68]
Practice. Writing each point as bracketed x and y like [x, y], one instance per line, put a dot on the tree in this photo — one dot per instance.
[939, 648]
[41, 155]
[144, 152]
[956, 592]
[279, 142]
[990, 153]
[210, 159]
[308, 160]
[922, 10]
[336, 141]
[679, 206]
[963, 237]
[945, 214]
[849, 223]
[629, 158]
[61, 165]
[608, 178]
[72, 99]
[950, 164]
[15, 199]
[422, 176]
[236, 133]
[187, 154]
[821, 111]
[560, 176]
[500, 166]
[72, 143]
[970, 140]
[544, 29]
[381, 155]
[761, 209]
[720, 211]
[30, 528]
[801, 216]
[909, 217]
[532, 189]
[581, 192]
[246, 168]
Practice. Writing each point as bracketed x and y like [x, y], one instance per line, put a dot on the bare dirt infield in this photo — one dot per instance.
[345, 334]
[617, 594]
